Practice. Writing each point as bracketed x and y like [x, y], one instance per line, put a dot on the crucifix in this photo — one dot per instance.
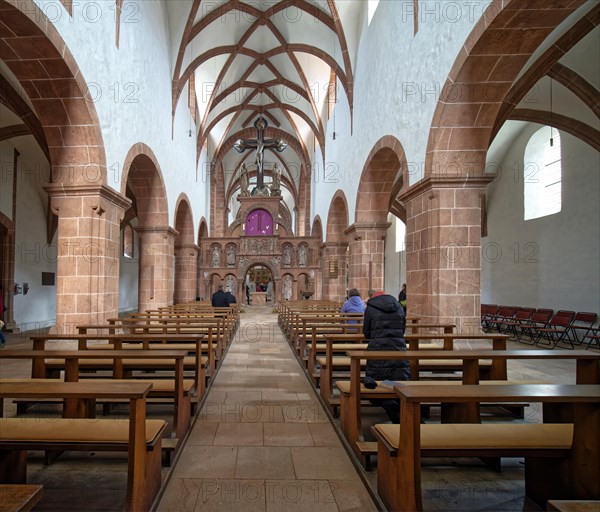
[260, 144]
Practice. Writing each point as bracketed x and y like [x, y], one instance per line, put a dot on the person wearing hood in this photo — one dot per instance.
[383, 326]
[354, 304]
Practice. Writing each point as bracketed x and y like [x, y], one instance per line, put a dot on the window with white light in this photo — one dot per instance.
[372, 7]
[542, 174]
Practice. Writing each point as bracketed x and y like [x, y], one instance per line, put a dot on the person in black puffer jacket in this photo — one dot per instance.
[384, 324]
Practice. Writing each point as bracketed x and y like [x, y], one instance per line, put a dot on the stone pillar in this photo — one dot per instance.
[156, 267]
[295, 289]
[443, 250]
[367, 253]
[88, 249]
[186, 273]
[334, 288]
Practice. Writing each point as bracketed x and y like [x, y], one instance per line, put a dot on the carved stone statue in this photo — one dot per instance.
[276, 184]
[230, 284]
[244, 181]
[287, 256]
[216, 256]
[286, 288]
[231, 256]
[302, 256]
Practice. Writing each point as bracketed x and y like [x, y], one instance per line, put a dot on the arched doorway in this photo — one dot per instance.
[260, 285]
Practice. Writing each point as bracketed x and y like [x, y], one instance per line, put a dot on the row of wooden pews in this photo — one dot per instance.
[460, 380]
[160, 357]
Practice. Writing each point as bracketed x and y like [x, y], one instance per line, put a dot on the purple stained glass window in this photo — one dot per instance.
[259, 223]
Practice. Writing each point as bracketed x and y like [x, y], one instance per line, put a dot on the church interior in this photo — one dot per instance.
[288, 152]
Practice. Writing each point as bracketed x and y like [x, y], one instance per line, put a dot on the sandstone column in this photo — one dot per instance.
[367, 253]
[186, 273]
[156, 266]
[334, 288]
[88, 249]
[443, 249]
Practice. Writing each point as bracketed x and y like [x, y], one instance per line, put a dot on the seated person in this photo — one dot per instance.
[383, 326]
[354, 304]
[230, 297]
[218, 299]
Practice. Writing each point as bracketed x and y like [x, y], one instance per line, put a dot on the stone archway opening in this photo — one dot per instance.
[259, 285]
[143, 178]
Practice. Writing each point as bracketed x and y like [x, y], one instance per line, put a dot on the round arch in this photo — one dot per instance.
[78, 156]
[337, 218]
[186, 252]
[317, 229]
[142, 173]
[477, 86]
[374, 197]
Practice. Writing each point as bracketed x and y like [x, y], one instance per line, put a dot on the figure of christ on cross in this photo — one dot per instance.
[260, 144]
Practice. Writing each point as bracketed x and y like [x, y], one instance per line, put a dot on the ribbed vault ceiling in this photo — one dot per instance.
[273, 58]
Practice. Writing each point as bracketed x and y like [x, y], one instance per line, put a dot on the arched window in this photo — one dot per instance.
[542, 173]
[128, 241]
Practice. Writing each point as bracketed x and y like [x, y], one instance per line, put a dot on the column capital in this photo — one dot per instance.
[190, 247]
[357, 230]
[165, 230]
[439, 182]
[103, 192]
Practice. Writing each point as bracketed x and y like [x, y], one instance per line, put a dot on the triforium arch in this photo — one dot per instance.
[335, 248]
[443, 209]
[186, 252]
[385, 165]
[143, 177]
[68, 131]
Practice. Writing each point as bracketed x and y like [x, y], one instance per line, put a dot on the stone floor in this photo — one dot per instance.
[263, 442]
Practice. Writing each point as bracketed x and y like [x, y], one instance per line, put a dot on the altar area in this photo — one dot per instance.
[258, 298]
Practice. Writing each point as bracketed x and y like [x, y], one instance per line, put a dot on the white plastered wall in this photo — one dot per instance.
[33, 255]
[552, 261]
[131, 87]
[397, 80]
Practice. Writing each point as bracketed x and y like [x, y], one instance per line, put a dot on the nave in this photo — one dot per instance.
[262, 440]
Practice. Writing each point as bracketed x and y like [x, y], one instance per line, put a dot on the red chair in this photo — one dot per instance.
[539, 319]
[582, 322]
[521, 319]
[557, 329]
[505, 314]
[489, 312]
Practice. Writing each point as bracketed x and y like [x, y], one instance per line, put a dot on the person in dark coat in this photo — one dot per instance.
[219, 299]
[384, 324]
[230, 297]
[248, 294]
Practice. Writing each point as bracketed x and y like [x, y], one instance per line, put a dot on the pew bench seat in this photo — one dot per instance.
[74, 434]
[425, 365]
[483, 439]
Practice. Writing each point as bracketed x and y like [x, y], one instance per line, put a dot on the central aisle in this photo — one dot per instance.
[263, 440]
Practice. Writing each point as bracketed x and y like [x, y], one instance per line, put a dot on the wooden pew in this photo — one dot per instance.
[587, 364]
[342, 342]
[117, 361]
[329, 362]
[19, 498]
[557, 453]
[139, 437]
[197, 363]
